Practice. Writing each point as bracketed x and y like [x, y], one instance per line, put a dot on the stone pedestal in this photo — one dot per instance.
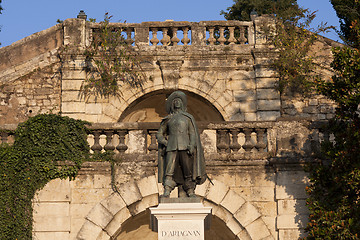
[180, 218]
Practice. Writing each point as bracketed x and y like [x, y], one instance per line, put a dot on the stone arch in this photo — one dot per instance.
[105, 219]
[220, 99]
[151, 108]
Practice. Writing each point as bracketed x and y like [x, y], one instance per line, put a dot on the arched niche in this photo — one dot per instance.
[151, 108]
[138, 227]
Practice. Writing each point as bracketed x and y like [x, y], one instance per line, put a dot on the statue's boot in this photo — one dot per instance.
[191, 193]
[167, 191]
[169, 185]
[189, 187]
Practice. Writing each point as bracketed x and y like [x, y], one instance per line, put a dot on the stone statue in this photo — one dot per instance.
[181, 157]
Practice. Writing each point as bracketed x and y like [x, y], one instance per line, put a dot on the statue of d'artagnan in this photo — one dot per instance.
[181, 157]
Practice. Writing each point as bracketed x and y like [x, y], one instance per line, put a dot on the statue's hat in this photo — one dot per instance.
[170, 99]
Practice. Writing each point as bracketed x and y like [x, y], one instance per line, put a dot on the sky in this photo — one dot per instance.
[21, 18]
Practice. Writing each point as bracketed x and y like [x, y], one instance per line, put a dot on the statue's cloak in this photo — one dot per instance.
[199, 174]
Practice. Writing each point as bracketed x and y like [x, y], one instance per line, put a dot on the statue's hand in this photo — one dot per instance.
[191, 149]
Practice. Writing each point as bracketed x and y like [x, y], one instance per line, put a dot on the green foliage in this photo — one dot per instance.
[32, 161]
[334, 193]
[292, 37]
[296, 61]
[348, 12]
[112, 63]
[334, 201]
[344, 88]
[242, 8]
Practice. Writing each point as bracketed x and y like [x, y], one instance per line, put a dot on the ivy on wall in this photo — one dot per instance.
[32, 161]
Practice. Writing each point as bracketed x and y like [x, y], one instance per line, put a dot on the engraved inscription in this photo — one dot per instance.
[180, 233]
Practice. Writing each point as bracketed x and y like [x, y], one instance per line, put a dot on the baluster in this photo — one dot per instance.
[153, 146]
[154, 41]
[166, 38]
[109, 146]
[248, 145]
[175, 40]
[242, 39]
[129, 40]
[222, 146]
[232, 39]
[96, 147]
[222, 38]
[211, 39]
[260, 145]
[186, 39]
[235, 146]
[121, 147]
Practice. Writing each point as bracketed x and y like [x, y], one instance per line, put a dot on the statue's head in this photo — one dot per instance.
[176, 100]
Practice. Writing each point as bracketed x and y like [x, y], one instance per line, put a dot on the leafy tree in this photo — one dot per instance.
[242, 8]
[295, 63]
[334, 201]
[348, 12]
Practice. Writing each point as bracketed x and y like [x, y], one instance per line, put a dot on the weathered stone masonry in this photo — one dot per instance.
[255, 140]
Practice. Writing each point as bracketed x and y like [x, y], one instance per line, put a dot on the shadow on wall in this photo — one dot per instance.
[151, 108]
[297, 144]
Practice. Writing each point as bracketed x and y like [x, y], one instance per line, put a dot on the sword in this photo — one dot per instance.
[207, 176]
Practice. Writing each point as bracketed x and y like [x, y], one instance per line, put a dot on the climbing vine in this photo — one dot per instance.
[32, 161]
[111, 63]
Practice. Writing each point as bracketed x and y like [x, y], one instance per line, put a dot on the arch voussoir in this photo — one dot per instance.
[100, 216]
[89, 231]
[113, 227]
[148, 186]
[104, 221]
[258, 230]
[247, 214]
[103, 236]
[217, 192]
[129, 192]
[232, 201]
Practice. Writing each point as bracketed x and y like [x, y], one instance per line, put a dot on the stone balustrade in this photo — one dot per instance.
[222, 137]
[173, 33]
[239, 139]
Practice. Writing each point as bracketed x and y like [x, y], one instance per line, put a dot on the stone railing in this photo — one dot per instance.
[172, 33]
[222, 137]
[230, 140]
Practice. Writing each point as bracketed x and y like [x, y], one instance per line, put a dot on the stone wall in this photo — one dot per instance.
[34, 93]
[235, 79]
[258, 192]
[30, 76]
[254, 202]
